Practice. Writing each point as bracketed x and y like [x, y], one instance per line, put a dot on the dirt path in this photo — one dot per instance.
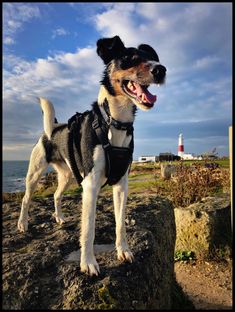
[208, 284]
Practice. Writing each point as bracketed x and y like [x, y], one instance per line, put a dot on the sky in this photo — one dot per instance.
[49, 50]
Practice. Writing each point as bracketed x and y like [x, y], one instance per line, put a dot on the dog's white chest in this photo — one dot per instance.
[119, 137]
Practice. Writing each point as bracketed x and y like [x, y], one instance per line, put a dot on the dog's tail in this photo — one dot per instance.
[48, 116]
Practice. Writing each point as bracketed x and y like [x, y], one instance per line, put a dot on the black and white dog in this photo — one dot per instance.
[97, 146]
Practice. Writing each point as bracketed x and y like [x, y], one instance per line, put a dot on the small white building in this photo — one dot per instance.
[147, 158]
[190, 157]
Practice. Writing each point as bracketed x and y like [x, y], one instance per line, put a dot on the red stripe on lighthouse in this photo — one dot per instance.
[180, 148]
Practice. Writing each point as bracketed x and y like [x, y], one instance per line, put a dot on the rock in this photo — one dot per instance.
[167, 170]
[204, 227]
[50, 179]
[41, 268]
[47, 180]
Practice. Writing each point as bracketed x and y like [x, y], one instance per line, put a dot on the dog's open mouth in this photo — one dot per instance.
[139, 93]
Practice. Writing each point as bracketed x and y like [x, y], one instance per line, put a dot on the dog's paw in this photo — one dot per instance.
[90, 267]
[59, 218]
[125, 255]
[22, 225]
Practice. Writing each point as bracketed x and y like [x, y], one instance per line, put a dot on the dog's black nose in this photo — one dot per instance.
[159, 71]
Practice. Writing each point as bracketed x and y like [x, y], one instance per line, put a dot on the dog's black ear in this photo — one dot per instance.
[110, 48]
[151, 52]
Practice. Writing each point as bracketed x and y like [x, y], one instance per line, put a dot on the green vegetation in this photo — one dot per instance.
[182, 255]
[74, 191]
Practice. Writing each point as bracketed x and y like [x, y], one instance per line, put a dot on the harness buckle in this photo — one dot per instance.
[109, 120]
[106, 146]
[95, 123]
[123, 127]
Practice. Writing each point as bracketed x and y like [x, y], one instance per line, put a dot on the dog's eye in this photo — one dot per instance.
[125, 62]
[125, 59]
[129, 61]
[135, 57]
[136, 60]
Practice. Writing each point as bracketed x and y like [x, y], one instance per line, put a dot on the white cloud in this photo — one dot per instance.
[118, 20]
[59, 32]
[69, 80]
[178, 31]
[206, 62]
[8, 41]
[14, 17]
[13, 25]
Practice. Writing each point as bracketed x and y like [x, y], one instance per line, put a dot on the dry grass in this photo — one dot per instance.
[191, 183]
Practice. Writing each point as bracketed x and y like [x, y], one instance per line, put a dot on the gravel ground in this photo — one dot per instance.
[208, 284]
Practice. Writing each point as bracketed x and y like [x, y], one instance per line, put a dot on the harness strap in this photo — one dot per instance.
[117, 159]
[72, 160]
[103, 139]
[111, 121]
[74, 125]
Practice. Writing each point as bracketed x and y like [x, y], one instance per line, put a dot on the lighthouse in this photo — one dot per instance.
[181, 146]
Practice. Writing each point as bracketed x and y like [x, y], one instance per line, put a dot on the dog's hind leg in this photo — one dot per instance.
[37, 166]
[120, 191]
[64, 179]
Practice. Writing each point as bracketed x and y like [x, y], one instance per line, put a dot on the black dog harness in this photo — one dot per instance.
[117, 159]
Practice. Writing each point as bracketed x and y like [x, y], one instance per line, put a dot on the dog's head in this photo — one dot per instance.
[130, 71]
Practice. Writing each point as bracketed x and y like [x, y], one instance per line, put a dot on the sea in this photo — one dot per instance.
[14, 173]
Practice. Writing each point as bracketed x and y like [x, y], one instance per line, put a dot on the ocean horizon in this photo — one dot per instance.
[14, 174]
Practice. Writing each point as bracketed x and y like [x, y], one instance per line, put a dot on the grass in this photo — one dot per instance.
[140, 176]
[140, 187]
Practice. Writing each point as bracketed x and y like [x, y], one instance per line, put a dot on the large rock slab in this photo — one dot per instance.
[41, 269]
[204, 227]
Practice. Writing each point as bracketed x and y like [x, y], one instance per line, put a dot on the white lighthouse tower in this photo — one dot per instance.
[181, 146]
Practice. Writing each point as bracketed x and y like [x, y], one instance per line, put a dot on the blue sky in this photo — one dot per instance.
[49, 50]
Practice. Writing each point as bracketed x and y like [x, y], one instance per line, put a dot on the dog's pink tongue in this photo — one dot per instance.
[149, 97]
[144, 94]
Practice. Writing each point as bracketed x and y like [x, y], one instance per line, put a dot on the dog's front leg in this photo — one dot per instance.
[120, 191]
[91, 187]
